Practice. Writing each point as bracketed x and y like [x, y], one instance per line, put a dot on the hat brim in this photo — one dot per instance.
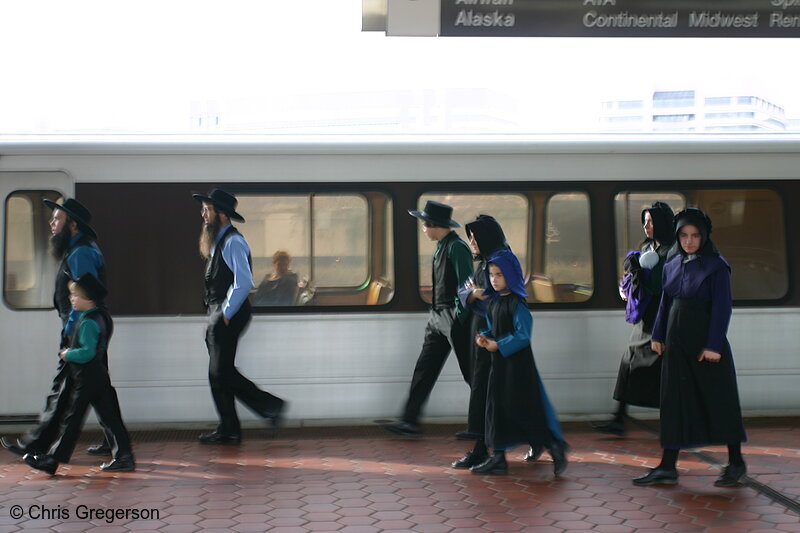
[87, 229]
[230, 212]
[422, 215]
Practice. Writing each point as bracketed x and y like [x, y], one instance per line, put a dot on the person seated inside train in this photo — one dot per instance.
[281, 285]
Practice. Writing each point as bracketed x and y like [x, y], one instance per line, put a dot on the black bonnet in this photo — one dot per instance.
[697, 218]
[488, 234]
[662, 216]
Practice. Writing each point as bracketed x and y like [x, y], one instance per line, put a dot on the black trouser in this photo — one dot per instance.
[443, 332]
[93, 388]
[227, 383]
[56, 405]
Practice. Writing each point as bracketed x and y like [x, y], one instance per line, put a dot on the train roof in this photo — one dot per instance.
[396, 144]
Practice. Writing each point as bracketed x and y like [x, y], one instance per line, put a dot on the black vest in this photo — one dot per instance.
[501, 312]
[445, 284]
[64, 276]
[100, 361]
[219, 276]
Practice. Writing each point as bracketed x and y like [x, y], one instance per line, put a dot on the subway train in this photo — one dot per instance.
[342, 346]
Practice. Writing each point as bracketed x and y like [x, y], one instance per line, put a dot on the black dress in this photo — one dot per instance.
[516, 409]
[639, 377]
[699, 399]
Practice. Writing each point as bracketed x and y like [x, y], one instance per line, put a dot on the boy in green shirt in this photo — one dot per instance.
[87, 357]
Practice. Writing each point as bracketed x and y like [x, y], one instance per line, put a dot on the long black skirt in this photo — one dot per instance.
[639, 377]
[515, 409]
[699, 400]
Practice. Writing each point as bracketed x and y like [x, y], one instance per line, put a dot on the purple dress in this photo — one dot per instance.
[699, 399]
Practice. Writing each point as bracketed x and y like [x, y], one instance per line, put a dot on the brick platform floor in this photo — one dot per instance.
[363, 480]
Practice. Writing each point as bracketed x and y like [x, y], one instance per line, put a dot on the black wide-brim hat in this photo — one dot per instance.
[92, 286]
[77, 212]
[223, 201]
[437, 214]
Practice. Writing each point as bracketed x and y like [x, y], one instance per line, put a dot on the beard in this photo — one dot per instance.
[207, 235]
[59, 243]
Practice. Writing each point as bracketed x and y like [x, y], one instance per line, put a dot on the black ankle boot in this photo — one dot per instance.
[731, 476]
[534, 453]
[615, 426]
[658, 476]
[496, 464]
[470, 459]
[558, 451]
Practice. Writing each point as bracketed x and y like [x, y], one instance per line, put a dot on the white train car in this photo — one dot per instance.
[344, 349]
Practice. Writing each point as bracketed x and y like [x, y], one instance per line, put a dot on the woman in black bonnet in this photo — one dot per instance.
[639, 377]
[699, 396]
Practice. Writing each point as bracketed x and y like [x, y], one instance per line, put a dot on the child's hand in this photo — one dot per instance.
[486, 343]
[480, 340]
[63, 354]
[479, 294]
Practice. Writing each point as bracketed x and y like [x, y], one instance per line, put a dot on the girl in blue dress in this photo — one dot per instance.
[518, 411]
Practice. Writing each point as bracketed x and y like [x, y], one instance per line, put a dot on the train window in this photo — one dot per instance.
[549, 232]
[562, 258]
[748, 229]
[628, 207]
[29, 268]
[314, 248]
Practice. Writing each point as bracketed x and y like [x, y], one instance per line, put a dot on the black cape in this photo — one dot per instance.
[515, 412]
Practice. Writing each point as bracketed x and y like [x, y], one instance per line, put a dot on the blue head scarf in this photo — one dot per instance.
[512, 271]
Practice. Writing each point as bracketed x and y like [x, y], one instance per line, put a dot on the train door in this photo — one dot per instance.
[29, 326]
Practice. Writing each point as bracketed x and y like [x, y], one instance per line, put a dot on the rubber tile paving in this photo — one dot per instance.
[363, 480]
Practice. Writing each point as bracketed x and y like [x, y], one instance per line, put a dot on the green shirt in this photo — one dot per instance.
[460, 256]
[88, 336]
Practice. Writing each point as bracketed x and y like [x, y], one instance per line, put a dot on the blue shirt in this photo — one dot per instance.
[235, 252]
[81, 260]
[518, 339]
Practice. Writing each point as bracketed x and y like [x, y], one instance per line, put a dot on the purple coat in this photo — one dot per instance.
[698, 279]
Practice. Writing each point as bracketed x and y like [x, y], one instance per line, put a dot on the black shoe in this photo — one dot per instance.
[45, 463]
[467, 435]
[14, 446]
[215, 437]
[614, 426]
[470, 459]
[558, 451]
[124, 463]
[275, 417]
[534, 453]
[496, 464]
[731, 476]
[406, 429]
[99, 449]
[657, 476]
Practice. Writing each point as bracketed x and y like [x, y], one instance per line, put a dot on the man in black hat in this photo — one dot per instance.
[72, 242]
[448, 326]
[228, 280]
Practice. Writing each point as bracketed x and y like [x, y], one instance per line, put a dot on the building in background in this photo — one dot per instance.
[694, 111]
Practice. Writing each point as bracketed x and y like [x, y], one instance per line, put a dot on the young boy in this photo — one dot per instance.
[88, 361]
[518, 410]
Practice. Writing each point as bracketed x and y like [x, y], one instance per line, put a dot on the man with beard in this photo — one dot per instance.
[72, 242]
[228, 280]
